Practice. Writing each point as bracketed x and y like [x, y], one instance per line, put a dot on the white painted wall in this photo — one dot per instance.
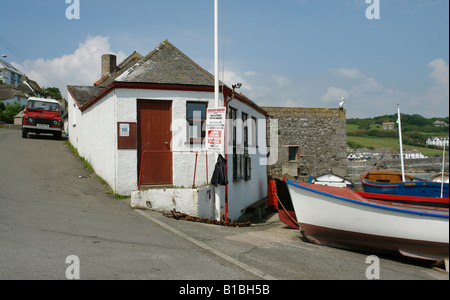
[244, 193]
[94, 134]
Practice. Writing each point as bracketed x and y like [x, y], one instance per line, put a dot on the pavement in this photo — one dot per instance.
[47, 214]
[271, 250]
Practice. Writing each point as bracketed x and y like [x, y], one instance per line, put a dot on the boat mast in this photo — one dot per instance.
[443, 170]
[401, 142]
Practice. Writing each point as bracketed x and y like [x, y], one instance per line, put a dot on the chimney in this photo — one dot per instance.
[109, 63]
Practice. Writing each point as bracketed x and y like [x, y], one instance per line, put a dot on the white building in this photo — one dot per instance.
[142, 129]
[438, 141]
[9, 74]
[413, 154]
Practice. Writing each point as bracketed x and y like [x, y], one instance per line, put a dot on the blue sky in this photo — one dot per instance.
[285, 52]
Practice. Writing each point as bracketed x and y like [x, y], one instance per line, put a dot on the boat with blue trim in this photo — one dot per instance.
[392, 183]
[339, 217]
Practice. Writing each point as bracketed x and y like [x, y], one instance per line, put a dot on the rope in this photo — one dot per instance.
[292, 219]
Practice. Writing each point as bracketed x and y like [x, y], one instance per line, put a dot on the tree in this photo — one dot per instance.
[52, 92]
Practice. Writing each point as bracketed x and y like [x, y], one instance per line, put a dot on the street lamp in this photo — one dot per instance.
[236, 86]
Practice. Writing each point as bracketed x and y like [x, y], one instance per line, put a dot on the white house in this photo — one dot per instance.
[142, 128]
[438, 141]
[413, 154]
[9, 74]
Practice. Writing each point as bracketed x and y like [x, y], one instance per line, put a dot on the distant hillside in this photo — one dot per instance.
[415, 131]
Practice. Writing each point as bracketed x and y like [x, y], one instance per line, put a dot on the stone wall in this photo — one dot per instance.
[430, 165]
[319, 134]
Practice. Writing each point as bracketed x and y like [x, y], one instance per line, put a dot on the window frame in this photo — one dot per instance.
[191, 122]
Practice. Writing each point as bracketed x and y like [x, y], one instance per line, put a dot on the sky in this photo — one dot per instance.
[295, 53]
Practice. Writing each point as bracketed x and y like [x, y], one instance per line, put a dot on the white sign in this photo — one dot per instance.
[124, 130]
[215, 129]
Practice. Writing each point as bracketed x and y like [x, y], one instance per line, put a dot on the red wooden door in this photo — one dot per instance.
[154, 138]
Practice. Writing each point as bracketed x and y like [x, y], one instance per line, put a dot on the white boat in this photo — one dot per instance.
[439, 178]
[331, 180]
[339, 217]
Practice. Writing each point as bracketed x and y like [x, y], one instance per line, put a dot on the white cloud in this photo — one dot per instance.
[281, 81]
[233, 77]
[334, 95]
[250, 73]
[437, 95]
[353, 74]
[440, 73]
[82, 67]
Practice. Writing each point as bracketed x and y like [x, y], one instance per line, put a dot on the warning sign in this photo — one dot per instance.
[215, 128]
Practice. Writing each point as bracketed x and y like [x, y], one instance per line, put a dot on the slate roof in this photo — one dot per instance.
[8, 66]
[120, 69]
[83, 94]
[167, 65]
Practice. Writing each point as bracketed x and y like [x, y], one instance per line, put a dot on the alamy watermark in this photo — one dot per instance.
[373, 11]
[373, 271]
[73, 270]
[73, 10]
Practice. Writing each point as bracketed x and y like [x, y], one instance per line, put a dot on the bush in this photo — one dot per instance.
[8, 113]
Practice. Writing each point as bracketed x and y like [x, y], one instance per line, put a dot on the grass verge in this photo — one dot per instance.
[89, 168]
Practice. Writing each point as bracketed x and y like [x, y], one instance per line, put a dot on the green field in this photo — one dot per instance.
[374, 142]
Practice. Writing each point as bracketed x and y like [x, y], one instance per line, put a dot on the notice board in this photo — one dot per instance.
[126, 135]
[215, 129]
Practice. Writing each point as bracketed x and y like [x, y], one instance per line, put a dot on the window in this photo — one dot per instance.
[254, 132]
[196, 118]
[245, 130]
[293, 153]
[242, 161]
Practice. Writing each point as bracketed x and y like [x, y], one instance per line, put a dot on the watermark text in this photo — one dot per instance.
[73, 270]
[373, 271]
[73, 10]
[373, 11]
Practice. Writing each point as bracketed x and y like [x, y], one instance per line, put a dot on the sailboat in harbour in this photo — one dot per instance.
[395, 183]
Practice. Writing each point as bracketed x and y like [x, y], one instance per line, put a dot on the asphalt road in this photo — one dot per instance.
[52, 209]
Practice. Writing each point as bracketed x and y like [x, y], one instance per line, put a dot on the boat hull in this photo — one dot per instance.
[286, 211]
[412, 187]
[409, 200]
[374, 243]
[339, 217]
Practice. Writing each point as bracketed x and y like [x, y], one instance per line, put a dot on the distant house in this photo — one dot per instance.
[15, 87]
[9, 94]
[440, 124]
[9, 74]
[413, 154]
[31, 88]
[388, 126]
[142, 128]
[438, 141]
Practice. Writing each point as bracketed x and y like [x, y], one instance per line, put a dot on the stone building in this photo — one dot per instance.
[311, 141]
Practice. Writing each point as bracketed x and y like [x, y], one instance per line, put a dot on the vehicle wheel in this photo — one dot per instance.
[57, 135]
[24, 134]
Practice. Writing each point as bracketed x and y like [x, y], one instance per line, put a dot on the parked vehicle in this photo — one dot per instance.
[42, 116]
